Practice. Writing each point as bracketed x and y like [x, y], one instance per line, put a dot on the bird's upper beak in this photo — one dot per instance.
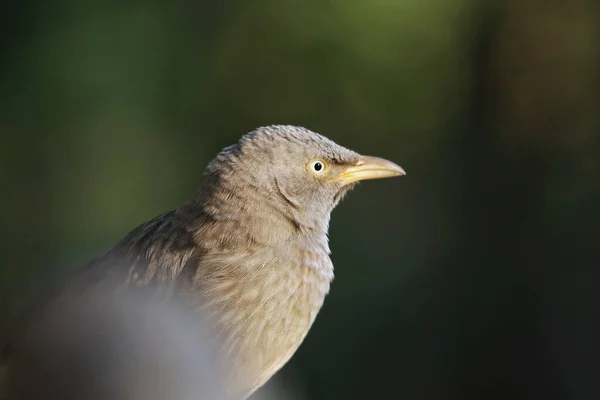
[369, 168]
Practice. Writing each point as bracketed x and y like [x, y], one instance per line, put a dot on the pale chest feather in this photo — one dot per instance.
[264, 304]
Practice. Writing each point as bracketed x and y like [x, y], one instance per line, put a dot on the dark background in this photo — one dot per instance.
[473, 277]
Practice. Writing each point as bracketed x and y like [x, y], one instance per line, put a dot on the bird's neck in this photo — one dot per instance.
[261, 216]
[309, 247]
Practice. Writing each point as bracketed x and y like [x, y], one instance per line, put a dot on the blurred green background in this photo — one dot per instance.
[474, 277]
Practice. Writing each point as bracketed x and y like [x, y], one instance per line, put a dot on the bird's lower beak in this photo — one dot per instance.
[369, 168]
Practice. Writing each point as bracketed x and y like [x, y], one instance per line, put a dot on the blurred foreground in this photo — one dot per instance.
[105, 346]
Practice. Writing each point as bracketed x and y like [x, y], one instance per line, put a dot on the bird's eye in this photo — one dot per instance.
[317, 166]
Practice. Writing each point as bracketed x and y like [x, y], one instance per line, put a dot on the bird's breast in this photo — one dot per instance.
[264, 304]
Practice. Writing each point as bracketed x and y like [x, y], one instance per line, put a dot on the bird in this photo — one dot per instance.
[249, 252]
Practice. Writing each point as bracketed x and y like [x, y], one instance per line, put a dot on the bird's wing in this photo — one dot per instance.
[157, 252]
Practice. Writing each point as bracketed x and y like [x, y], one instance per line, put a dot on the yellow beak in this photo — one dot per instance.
[369, 168]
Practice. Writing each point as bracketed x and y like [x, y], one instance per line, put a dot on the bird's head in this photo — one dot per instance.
[290, 170]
